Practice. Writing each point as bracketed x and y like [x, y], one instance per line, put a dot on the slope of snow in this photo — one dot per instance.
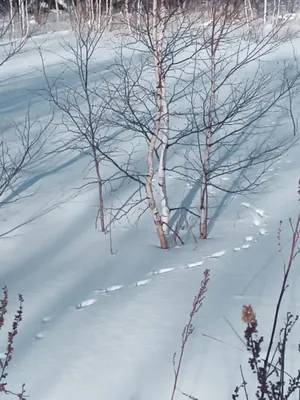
[106, 326]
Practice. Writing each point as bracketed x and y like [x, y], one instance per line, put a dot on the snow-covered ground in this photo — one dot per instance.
[102, 326]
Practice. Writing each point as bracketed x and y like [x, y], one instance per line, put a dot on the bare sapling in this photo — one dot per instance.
[82, 107]
[7, 359]
[188, 331]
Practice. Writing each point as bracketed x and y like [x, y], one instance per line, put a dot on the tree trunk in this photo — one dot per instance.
[100, 191]
[127, 15]
[204, 200]
[57, 10]
[265, 10]
[152, 204]
[12, 19]
[162, 118]
[139, 10]
[149, 189]
[99, 13]
[110, 13]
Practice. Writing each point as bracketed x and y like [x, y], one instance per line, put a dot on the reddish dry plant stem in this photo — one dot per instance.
[10, 342]
[293, 252]
[189, 328]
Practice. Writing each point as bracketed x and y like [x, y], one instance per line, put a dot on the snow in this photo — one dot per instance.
[106, 330]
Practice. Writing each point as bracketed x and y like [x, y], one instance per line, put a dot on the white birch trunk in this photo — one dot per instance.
[139, 10]
[251, 10]
[265, 10]
[110, 14]
[278, 10]
[162, 118]
[246, 12]
[26, 18]
[22, 15]
[157, 216]
[204, 200]
[99, 13]
[150, 195]
[57, 10]
[106, 10]
[12, 19]
[91, 13]
[127, 15]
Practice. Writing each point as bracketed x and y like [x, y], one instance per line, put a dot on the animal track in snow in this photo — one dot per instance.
[257, 222]
[162, 271]
[85, 303]
[218, 254]
[110, 289]
[237, 249]
[40, 335]
[245, 246]
[141, 283]
[193, 265]
[46, 319]
[263, 231]
[260, 212]
[247, 205]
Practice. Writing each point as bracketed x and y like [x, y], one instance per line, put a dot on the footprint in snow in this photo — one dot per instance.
[257, 222]
[46, 319]
[141, 283]
[263, 231]
[217, 255]
[85, 303]
[237, 249]
[261, 212]
[162, 271]
[110, 289]
[40, 335]
[249, 239]
[194, 265]
[243, 247]
[247, 205]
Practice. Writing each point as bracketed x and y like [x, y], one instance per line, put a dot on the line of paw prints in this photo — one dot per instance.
[246, 244]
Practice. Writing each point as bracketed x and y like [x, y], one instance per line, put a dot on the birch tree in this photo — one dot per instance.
[148, 85]
[230, 135]
[82, 108]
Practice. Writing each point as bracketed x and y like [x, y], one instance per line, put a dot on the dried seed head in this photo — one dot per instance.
[248, 315]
